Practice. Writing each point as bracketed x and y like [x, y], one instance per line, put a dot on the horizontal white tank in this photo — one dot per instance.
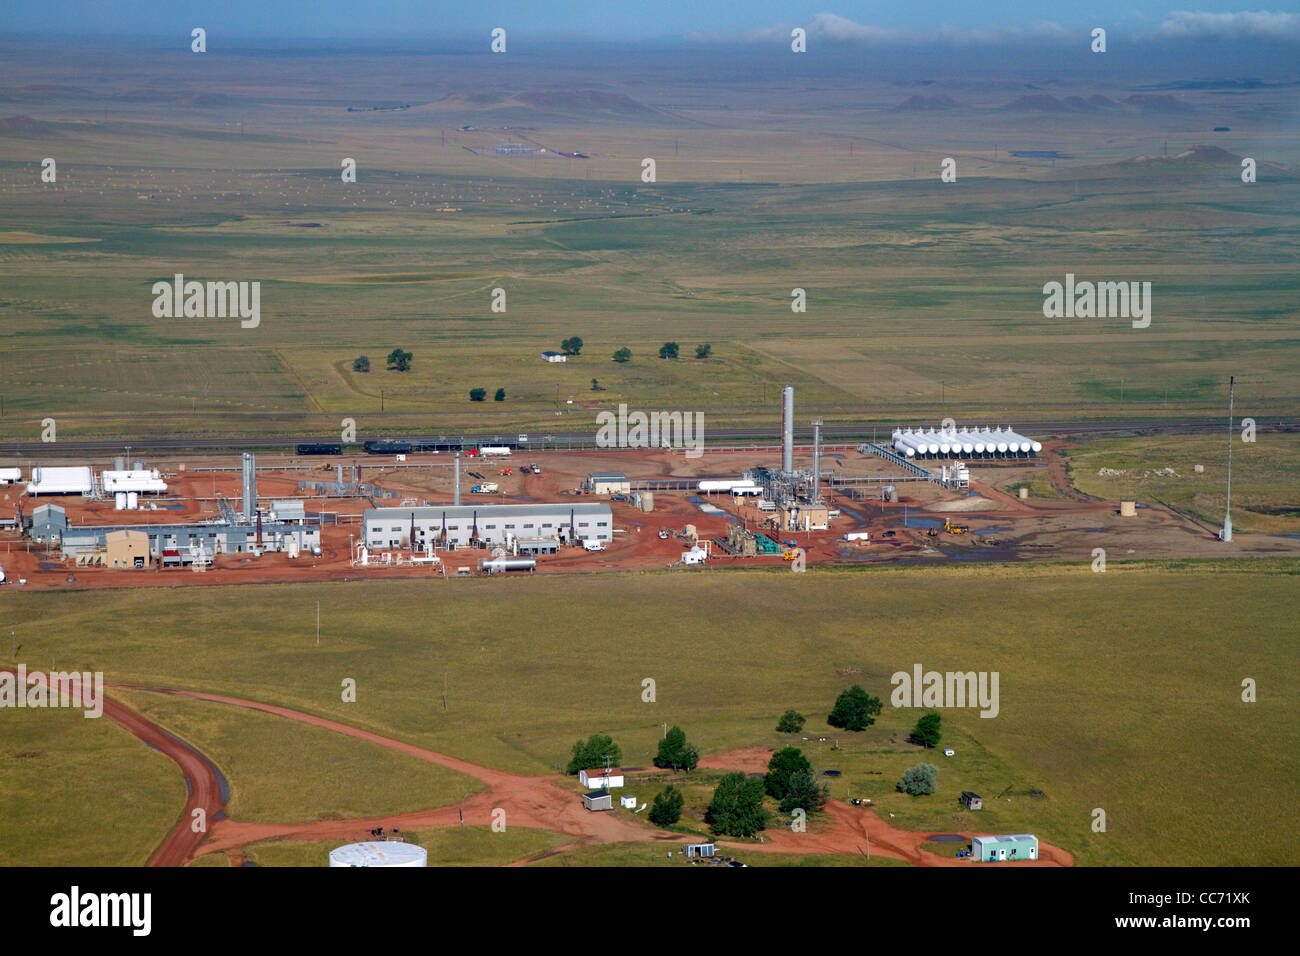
[60, 481]
[739, 485]
[10, 475]
[912, 440]
[380, 853]
[115, 481]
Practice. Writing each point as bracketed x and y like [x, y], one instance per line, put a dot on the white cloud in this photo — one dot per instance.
[833, 28]
[1187, 24]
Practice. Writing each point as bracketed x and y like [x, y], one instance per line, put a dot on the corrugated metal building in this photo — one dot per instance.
[459, 525]
[213, 538]
[1018, 846]
[48, 522]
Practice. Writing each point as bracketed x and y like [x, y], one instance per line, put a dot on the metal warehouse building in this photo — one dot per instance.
[443, 526]
[212, 538]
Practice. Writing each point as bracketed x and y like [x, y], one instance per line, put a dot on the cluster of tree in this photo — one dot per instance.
[591, 753]
[919, 780]
[926, 731]
[666, 809]
[571, 346]
[361, 363]
[478, 394]
[737, 806]
[791, 722]
[854, 709]
[791, 781]
[623, 355]
[669, 350]
[397, 360]
[675, 752]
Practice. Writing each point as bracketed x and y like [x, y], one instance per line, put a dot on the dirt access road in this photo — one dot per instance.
[541, 802]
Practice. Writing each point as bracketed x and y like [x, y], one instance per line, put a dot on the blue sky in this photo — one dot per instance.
[632, 20]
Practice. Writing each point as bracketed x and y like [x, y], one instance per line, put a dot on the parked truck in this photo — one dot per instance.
[486, 488]
[592, 544]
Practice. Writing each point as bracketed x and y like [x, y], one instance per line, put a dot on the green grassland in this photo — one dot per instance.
[1264, 489]
[1119, 691]
[76, 791]
[285, 772]
[916, 289]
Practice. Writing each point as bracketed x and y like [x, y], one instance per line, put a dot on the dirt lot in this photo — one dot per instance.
[1001, 527]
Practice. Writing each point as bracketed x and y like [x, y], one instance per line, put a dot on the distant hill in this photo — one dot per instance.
[923, 103]
[1158, 103]
[1040, 102]
[588, 103]
[24, 126]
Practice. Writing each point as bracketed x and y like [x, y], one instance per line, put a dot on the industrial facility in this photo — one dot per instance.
[527, 528]
[964, 443]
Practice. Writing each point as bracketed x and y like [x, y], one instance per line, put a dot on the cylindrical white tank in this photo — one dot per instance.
[132, 500]
[900, 446]
[119, 501]
[379, 854]
[787, 428]
[914, 441]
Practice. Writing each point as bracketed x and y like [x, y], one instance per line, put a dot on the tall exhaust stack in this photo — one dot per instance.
[456, 499]
[1227, 509]
[787, 428]
[249, 509]
[817, 461]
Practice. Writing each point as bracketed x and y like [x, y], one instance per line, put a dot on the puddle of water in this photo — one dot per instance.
[993, 530]
[915, 522]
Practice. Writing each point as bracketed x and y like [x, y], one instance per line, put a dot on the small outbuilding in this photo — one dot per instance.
[1019, 846]
[971, 801]
[554, 357]
[601, 778]
[598, 800]
[608, 483]
[694, 850]
[127, 549]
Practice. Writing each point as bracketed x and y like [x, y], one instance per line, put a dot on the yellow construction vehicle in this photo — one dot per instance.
[955, 528]
[790, 555]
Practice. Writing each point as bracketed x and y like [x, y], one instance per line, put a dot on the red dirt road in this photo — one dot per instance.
[538, 802]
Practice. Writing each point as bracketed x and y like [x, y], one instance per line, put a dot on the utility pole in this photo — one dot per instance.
[318, 623]
[1227, 510]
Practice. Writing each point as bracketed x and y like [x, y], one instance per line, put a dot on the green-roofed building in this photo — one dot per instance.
[1020, 846]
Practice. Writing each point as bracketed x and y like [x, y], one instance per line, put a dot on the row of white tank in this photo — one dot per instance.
[962, 441]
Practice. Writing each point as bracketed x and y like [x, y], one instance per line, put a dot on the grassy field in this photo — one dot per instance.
[1107, 682]
[1264, 489]
[284, 772]
[924, 298]
[81, 792]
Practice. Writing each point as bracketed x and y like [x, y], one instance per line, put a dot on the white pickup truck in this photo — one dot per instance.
[591, 544]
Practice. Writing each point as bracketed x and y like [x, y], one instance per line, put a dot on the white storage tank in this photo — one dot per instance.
[132, 500]
[380, 853]
[119, 501]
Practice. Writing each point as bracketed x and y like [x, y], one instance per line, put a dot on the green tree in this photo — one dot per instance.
[571, 346]
[737, 806]
[477, 394]
[500, 396]
[702, 351]
[675, 752]
[399, 360]
[791, 722]
[919, 780]
[666, 809]
[854, 709]
[926, 731]
[595, 385]
[668, 350]
[590, 754]
[804, 792]
[361, 364]
[623, 355]
[783, 765]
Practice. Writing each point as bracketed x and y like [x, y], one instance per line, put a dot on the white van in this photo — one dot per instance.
[591, 544]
